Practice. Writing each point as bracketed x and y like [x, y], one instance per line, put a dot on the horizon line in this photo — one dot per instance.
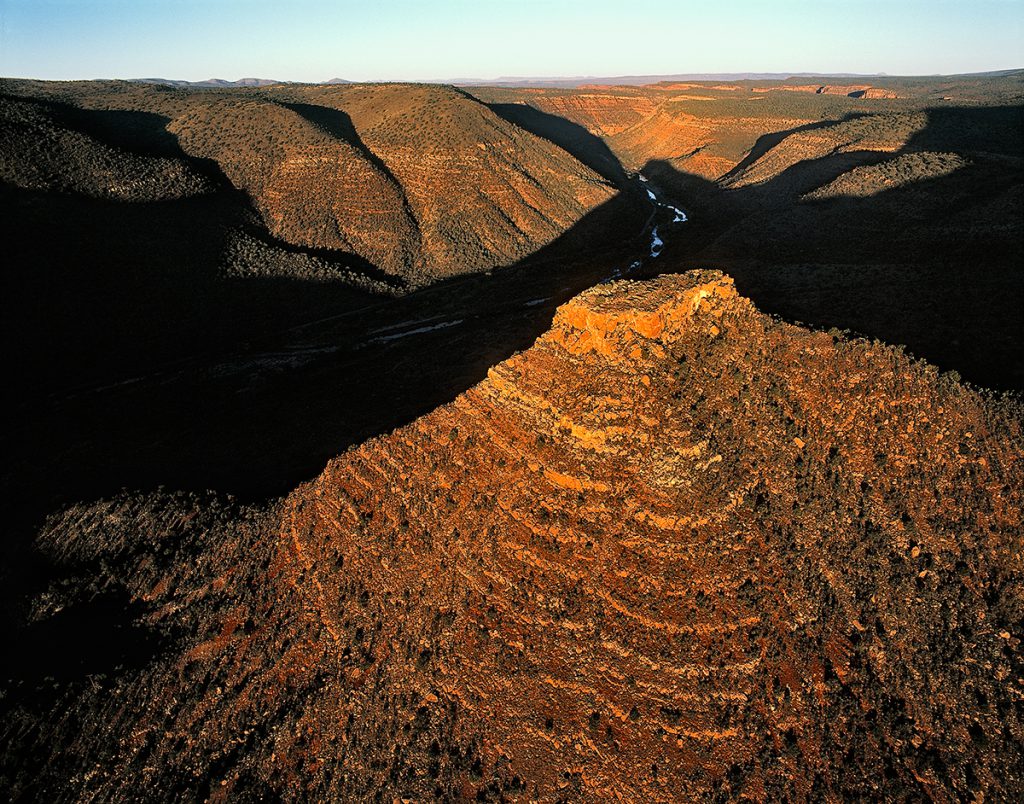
[746, 75]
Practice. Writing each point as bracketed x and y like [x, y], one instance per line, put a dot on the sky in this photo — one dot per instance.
[378, 40]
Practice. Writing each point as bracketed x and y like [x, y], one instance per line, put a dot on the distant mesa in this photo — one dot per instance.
[851, 91]
[872, 92]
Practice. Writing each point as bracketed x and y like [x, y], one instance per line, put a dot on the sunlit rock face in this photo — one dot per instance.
[675, 549]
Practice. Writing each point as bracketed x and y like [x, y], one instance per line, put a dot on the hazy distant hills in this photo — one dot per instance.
[220, 82]
[642, 80]
[554, 81]
[570, 82]
[209, 82]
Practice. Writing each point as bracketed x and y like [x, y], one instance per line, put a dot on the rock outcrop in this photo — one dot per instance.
[604, 113]
[874, 93]
[676, 549]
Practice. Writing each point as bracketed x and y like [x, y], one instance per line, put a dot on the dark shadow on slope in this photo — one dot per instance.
[351, 262]
[768, 141]
[322, 370]
[86, 638]
[786, 189]
[134, 132]
[286, 375]
[986, 131]
[146, 134]
[176, 376]
[339, 125]
[932, 264]
[571, 137]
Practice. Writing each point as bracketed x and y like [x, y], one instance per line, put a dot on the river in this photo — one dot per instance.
[657, 243]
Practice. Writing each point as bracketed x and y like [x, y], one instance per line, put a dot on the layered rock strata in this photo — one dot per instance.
[676, 549]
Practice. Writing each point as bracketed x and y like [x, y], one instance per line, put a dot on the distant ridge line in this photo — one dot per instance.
[572, 82]
[644, 80]
[220, 82]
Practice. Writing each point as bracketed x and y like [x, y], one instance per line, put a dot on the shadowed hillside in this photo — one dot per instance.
[574, 138]
[420, 181]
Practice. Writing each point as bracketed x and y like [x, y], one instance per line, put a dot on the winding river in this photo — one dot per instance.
[657, 243]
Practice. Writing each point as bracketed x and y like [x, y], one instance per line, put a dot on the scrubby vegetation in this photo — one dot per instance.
[422, 182]
[666, 543]
[40, 152]
[676, 545]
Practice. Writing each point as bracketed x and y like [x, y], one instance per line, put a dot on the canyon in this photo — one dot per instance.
[418, 442]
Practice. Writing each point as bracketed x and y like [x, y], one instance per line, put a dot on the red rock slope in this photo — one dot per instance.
[676, 549]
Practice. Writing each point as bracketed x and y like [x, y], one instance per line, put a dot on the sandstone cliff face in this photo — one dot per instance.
[805, 88]
[704, 145]
[838, 89]
[641, 125]
[601, 113]
[874, 93]
[853, 91]
[696, 134]
[676, 549]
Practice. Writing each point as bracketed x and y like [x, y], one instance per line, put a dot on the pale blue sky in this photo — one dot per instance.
[313, 40]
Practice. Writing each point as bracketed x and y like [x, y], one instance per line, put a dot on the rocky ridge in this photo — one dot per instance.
[676, 549]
